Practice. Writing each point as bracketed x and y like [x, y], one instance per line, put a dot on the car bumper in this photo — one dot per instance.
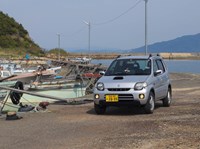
[130, 97]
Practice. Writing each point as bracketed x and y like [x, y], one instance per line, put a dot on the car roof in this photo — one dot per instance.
[140, 57]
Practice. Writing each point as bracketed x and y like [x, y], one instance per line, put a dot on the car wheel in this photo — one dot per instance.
[167, 100]
[150, 105]
[99, 109]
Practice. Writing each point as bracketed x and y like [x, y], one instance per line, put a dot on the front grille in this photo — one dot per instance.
[118, 89]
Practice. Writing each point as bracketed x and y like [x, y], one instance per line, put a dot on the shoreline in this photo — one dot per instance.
[40, 60]
[174, 56]
[105, 55]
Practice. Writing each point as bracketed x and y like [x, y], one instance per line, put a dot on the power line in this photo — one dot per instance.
[108, 21]
[78, 31]
[115, 18]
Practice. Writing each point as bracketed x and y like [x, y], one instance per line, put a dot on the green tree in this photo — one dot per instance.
[13, 35]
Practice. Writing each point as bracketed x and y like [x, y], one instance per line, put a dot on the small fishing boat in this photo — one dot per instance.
[27, 78]
[40, 73]
[43, 93]
[81, 60]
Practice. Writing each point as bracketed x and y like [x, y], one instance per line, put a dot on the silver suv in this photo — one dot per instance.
[133, 80]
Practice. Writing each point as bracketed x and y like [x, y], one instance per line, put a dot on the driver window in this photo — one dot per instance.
[155, 66]
[160, 65]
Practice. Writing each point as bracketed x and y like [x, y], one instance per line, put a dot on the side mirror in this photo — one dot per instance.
[102, 73]
[158, 72]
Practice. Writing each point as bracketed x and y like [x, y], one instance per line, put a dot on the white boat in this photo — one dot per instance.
[11, 67]
[30, 76]
[61, 88]
[80, 60]
[86, 60]
[4, 73]
[73, 91]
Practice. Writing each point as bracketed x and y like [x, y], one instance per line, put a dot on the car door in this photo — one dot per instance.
[164, 77]
[163, 84]
[157, 81]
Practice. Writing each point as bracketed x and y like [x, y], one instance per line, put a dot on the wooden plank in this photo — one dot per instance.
[3, 79]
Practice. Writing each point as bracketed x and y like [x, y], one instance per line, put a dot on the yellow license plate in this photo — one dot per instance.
[112, 98]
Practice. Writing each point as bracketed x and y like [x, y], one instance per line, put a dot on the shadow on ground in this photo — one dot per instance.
[124, 110]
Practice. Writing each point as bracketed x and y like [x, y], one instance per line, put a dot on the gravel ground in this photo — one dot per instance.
[77, 126]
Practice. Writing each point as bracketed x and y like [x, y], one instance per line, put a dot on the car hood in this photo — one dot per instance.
[121, 81]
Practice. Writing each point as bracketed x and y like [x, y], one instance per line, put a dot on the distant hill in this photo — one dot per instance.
[188, 43]
[184, 44]
[13, 36]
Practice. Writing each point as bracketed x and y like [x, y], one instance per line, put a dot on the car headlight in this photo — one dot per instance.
[100, 86]
[140, 85]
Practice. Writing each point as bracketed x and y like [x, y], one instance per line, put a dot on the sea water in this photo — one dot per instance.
[175, 66]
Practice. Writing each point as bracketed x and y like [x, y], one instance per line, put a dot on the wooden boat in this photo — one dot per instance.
[29, 77]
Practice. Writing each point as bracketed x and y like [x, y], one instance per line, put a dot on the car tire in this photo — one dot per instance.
[150, 105]
[167, 100]
[99, 109]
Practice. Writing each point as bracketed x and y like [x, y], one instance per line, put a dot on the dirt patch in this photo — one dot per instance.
[77, 126]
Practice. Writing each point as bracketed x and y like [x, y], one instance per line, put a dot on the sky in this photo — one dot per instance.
[115, 24]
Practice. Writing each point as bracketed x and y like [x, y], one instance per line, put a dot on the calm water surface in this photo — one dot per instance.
[184, 66]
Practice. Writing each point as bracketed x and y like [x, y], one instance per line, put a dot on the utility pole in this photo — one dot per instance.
[58, 47]
[146, 40]
[89, 29]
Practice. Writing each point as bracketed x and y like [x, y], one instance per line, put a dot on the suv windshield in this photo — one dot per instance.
[129, 67]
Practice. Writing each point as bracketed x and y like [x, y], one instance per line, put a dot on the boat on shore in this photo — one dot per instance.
[47, 94]
[26, 77]
[79, 60]
[61, 88]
